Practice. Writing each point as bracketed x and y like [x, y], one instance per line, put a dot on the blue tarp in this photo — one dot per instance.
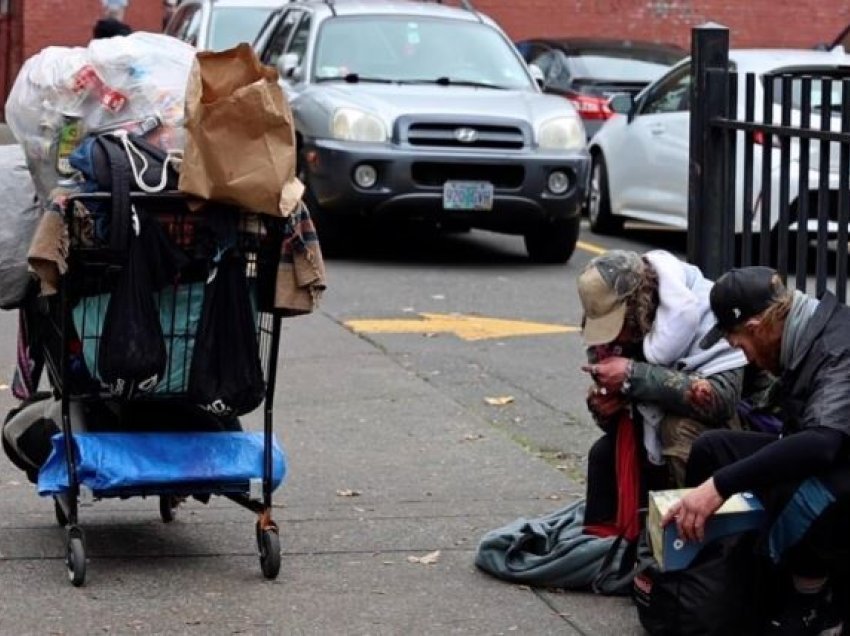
[126, 461]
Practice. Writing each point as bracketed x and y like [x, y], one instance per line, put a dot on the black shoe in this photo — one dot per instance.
[807, 615]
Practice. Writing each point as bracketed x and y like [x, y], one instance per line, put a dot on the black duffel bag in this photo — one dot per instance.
[715, 596]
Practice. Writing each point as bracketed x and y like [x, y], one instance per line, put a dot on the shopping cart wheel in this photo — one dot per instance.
[75, 556]
[168, 508]
[61, 518]
[268, 546]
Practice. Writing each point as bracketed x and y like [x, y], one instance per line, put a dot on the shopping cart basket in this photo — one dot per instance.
[156, 461]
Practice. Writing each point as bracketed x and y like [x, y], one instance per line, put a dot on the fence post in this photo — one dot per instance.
[708, 219]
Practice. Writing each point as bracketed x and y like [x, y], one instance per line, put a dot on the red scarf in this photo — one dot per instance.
[628, 483]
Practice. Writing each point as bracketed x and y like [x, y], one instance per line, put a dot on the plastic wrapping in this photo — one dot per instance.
[19, 217]
[204, 462]
[63, 93]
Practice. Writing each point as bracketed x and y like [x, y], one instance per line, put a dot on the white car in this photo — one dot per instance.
[640, 159]
[217, 25]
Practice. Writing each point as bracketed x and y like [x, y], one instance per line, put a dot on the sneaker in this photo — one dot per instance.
[807, 615]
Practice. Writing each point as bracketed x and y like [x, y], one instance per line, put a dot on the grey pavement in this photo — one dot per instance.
[429, 474]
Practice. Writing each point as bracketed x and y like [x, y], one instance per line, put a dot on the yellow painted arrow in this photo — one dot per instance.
[464, 327]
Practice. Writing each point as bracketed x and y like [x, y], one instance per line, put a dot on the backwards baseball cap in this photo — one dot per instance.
[604, 285]
[736, 297]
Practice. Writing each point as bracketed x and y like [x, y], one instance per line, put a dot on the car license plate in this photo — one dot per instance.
[468, 195]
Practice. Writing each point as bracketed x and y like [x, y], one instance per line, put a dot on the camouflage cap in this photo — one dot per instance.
[604, 285]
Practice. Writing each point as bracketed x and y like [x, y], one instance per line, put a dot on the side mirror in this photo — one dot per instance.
[624, 104]
[287, 65]
[537, 74]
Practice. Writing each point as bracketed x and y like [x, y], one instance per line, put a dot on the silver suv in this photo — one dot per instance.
[418, 110]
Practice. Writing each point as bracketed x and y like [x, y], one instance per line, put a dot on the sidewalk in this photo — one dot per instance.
[430, 476]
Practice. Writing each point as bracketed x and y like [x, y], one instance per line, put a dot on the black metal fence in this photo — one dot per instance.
[769, 165]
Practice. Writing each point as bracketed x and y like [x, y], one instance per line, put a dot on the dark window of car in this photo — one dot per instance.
[280, 38]
[298, 43]
[559, 72]
[231, 25]
[671, 95]
[623, 64]
[817, 86]
[417, 49]
[188, 15]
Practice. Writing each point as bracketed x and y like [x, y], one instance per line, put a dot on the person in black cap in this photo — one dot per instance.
[111, 24]
[802, 476]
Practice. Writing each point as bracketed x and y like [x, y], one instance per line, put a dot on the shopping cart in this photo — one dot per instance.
[201, 461]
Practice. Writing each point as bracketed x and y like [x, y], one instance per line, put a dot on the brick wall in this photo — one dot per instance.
[757, 23]
[70, 22]
[34, 25]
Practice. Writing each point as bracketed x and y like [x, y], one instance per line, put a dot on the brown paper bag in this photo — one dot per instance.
[240, 137]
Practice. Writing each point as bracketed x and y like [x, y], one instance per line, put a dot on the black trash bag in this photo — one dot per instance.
[132, 355]
[714, 596]
[226, 377]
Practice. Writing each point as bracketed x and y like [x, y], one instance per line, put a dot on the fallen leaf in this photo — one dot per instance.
[499, 401]
[554, 497]
[3, 387]
[348, 492]
[387, 562]
[471, 437]
[429, 559]
[356, 509]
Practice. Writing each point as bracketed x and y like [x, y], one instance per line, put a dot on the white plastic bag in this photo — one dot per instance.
[63, 93]
[19, 215]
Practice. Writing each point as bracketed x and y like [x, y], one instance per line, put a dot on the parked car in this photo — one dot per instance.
[640, 156]
[217, 25]
[589, 71]
[421, 110]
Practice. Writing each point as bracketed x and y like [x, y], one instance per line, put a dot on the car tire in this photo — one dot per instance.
[602, 221]
[553, 242]
[334, 233]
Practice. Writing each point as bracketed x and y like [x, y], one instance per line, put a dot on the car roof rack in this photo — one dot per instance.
[466, 4]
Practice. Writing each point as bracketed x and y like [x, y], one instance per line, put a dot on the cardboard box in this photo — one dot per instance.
[739, 513]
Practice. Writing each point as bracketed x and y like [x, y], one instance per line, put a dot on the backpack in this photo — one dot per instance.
[555, 551]
[118, 162]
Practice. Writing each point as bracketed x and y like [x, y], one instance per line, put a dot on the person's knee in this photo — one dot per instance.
[702, 461]
[602, 451]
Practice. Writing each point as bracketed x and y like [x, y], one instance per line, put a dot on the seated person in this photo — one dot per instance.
[644, 317]
[803, 476]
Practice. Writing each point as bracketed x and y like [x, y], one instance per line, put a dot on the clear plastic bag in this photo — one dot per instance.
[64, 93]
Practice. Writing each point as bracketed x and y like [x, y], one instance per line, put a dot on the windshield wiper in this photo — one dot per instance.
[355, 78]
[447, 81]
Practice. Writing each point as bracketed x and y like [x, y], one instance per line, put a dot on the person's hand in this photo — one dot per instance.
[692, 511]
[604, 404]
[610, 373]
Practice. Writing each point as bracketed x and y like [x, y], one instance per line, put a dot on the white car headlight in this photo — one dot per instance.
[351, 124]
[561, 133]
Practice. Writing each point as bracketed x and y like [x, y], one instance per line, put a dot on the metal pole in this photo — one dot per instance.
[709, 234]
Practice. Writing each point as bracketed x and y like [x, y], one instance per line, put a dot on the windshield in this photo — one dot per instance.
[405, 49]
[231, 25]
[622, 66]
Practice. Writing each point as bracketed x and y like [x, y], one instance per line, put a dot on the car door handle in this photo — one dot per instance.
[657, 129]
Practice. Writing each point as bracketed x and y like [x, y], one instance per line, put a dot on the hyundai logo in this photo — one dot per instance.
[466, 135]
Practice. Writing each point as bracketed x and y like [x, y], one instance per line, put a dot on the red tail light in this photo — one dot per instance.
[592, 107]
[758, 137]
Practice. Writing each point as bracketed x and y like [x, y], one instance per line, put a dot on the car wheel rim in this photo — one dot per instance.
[593, 202]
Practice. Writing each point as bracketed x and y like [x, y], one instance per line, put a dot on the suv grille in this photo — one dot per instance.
[465, 136]
[428, 173]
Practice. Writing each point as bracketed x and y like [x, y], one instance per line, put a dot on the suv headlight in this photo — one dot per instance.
[351, 124]
[561, 133]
